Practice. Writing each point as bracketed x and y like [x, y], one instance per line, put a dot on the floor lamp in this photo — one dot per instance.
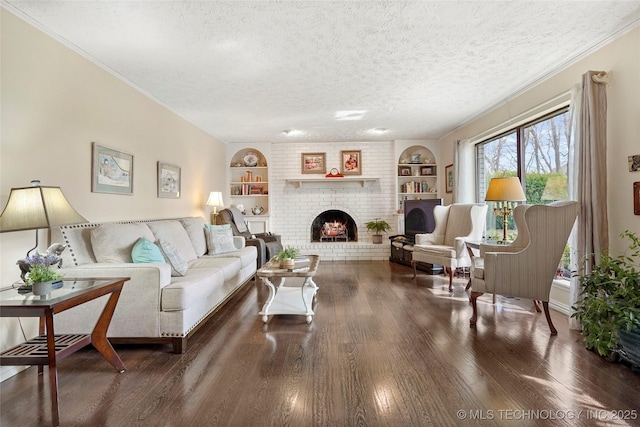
[505, 192]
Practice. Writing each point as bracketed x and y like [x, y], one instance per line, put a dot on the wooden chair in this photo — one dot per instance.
[445, 246]
[526, 268]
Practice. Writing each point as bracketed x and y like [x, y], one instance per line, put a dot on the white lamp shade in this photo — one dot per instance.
[215, 199]
[505, 189]
[31, 208]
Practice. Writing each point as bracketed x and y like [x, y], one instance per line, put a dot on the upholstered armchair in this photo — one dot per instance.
[525, 268]
[267, 244]
[445, 245]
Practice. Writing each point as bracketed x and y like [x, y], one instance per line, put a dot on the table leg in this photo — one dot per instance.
[53, 370]
[272, 294]
[99, 334]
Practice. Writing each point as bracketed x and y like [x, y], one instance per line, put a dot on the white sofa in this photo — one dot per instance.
[154, 306]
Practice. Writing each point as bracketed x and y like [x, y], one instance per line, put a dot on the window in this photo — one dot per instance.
[537, 152]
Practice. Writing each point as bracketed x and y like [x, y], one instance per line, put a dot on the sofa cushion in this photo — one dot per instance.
[186, 291]
[436, 250]
[246, 255]
[173, 232]
[145, 251]
[229, 266]
[195, 229]
[219, 241]
[172, 255]
[114, 242]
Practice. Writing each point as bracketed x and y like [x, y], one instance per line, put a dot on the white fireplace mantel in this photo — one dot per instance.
[331, 182]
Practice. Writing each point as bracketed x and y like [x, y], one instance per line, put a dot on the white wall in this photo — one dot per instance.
[54, 104]
[621, 58]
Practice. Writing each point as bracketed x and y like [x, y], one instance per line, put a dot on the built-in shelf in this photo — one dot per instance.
[331, 182]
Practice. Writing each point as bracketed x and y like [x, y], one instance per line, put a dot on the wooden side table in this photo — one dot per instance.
[290, 300]
[48, 348]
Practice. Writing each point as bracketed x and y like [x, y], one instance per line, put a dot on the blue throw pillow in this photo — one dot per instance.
[145, 251]
[218, 227]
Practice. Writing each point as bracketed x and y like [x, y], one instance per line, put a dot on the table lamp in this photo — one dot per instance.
[215, 200]
[506, 192]
[36, 207]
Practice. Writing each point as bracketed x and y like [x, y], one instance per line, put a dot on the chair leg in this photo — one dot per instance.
[451, 270]
[545, 305]
[536, 306]
[474, 316]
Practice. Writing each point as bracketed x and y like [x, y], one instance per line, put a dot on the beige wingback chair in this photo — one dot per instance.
[525, 268]
[445, 246]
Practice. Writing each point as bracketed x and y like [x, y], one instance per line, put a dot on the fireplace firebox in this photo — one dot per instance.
[334, 226]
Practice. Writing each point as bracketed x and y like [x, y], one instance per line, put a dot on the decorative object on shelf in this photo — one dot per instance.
[506, 192]
[215, 200]
[258, 210]
[249, 176]
[334, 173]
[427, 170]
[112, 171]
[608, 310]
[448, 178]
[287, 257]
[351, 161]
[168, 181]
[314, 163]
[415, 158]
[250, 159]
[36, 207]
[404, 171]
[378, 226]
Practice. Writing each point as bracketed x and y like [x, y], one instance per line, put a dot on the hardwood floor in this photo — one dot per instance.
[382, 350]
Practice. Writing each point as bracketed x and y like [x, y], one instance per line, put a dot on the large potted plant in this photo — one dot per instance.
[377, 226]
[610, 307]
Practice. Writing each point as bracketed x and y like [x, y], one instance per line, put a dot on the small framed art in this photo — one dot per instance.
[636, 197]
[449, 180]
[111, 171]
[351, 161]
[404, 171]
[314, 163]
[168, 181]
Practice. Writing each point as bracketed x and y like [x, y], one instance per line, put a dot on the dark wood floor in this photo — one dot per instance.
[381, 351]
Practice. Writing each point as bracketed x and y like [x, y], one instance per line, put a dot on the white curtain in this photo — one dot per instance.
[463, 172]
[588, 177]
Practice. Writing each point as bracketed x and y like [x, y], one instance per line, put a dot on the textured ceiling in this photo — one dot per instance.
[244, 71]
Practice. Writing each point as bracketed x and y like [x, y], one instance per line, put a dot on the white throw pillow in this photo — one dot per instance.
[114, 242]
[178, 264]
[219, 241]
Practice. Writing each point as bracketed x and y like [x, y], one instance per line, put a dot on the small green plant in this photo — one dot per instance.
[287, 253]
[39, 270]
[378, 226]
[610, 298]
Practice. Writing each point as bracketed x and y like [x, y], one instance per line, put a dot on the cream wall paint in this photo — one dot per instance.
[621, 58]
[54, 104]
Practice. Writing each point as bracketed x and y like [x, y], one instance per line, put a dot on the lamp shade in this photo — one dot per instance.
[215, 199]
[31, 208]
[505, 189]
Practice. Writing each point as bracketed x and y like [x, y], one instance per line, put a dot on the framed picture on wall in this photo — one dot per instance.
[314, 163]
[449, 180]
[351, 162]
[636, 197]
[111, 171]
[168, 181]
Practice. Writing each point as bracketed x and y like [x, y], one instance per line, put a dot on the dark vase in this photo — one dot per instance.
[630, 350]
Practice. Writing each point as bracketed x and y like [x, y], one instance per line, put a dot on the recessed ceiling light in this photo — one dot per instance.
[350, 114]
[379, 130]
[292, 132]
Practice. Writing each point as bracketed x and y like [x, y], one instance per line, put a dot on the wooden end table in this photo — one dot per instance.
[290, 300]
[48, 348]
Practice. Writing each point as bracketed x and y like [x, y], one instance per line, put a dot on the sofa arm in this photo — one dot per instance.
[239, 242]
[138, 310]
[268, 237]
[428, 239]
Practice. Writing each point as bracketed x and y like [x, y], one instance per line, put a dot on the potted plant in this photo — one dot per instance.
[610, 307]
[40, 277]
[378, 226]
[287, 257]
